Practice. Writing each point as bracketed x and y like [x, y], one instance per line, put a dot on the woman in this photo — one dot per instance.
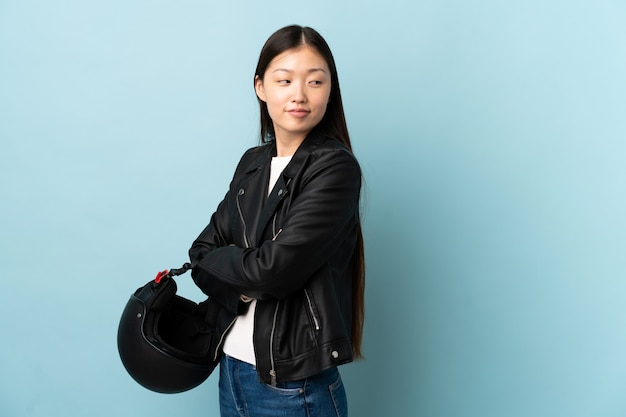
[283, 253]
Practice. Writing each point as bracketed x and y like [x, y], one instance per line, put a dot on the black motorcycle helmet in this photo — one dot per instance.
[165, 340]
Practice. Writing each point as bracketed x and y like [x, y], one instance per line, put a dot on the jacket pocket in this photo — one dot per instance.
[312, 312]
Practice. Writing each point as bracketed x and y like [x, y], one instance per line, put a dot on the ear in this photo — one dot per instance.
[258, 87]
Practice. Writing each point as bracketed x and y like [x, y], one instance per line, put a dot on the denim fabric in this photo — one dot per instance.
[242, 395]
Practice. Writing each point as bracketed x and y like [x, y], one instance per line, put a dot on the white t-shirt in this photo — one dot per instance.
[239, 342]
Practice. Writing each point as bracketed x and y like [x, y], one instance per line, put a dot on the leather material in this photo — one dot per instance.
[292, 251]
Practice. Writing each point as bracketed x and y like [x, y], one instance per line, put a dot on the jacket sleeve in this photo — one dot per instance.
[323, 216]
[214, 236]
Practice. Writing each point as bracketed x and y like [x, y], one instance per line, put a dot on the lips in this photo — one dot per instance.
[298, 112]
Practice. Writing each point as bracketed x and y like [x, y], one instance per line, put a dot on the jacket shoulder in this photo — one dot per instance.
[333, 149]
[252, 158]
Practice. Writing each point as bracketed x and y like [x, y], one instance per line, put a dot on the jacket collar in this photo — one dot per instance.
[308, 146]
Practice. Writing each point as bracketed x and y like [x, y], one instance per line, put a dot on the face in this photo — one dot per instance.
[296, 88]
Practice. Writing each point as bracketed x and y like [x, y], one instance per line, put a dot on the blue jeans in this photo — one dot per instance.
[243, 395]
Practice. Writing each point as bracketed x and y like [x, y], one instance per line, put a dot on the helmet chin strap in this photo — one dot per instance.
[172, 273]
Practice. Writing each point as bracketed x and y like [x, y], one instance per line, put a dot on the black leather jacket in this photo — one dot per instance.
[292, 251]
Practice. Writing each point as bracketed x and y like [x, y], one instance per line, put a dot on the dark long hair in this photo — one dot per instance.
[333, 125]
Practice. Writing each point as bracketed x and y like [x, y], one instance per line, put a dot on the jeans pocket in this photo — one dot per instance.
[287, 388]
[338, 395]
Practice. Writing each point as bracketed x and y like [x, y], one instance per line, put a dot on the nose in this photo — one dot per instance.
[299, 95]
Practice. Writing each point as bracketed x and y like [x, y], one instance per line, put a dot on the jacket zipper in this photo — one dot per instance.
[273, 380]
[274, 232]
[272, 365]
[315, 321]
[217, 349]
[245, 239]
[247, 245]
[274, 226]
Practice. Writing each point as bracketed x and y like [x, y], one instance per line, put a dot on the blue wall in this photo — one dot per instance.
[491, 136]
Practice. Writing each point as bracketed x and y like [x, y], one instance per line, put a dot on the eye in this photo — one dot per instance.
[316, 83]
[284, 82]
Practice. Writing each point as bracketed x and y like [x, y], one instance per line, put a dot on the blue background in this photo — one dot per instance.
[491, 136]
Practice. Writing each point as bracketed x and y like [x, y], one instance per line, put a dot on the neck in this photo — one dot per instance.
[288, 146]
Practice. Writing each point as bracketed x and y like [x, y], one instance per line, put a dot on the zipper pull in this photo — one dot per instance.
[273, 378]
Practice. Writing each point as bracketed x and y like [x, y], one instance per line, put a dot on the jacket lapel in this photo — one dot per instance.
[282, 187]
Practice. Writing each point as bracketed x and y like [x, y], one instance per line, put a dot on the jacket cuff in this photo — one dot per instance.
[223, 294]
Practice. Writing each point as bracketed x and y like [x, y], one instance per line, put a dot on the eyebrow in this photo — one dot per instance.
[310, 70]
